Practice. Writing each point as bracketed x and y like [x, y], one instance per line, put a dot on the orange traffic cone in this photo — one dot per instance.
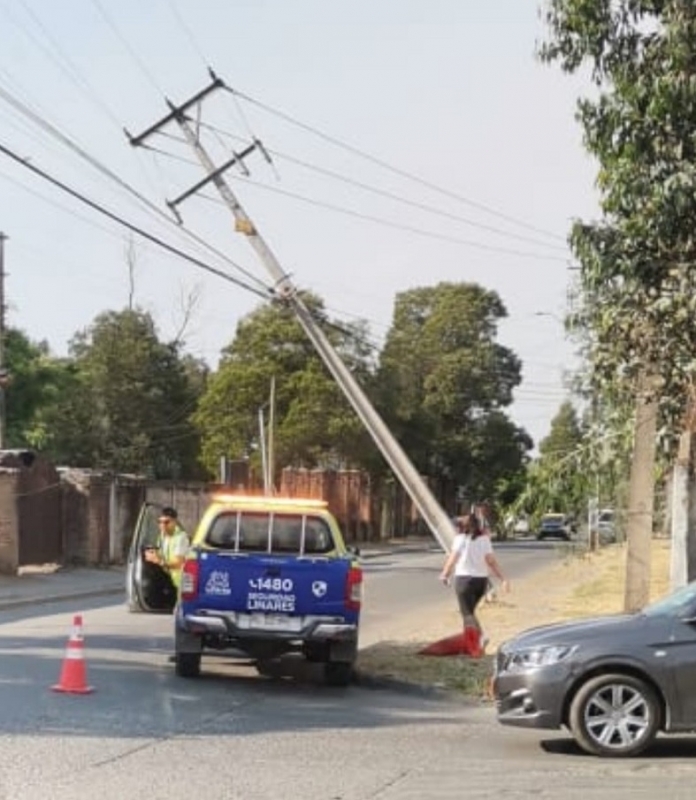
[449, 646]
[73, 675]
[472, 642]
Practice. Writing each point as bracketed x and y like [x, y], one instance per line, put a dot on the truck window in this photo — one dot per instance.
[252, 531]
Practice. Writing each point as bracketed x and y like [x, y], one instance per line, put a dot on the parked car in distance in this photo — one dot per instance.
[605, 526]
[616, 681]
[555, 526]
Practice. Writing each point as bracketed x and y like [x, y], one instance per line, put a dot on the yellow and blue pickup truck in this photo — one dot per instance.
[265, 576]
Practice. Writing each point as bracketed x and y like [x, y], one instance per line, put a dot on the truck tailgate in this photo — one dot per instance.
[273, 584]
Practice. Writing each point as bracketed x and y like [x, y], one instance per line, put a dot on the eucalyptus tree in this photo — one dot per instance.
[637, 277]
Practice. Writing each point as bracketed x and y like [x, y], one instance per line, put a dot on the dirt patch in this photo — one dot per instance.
[577, 585]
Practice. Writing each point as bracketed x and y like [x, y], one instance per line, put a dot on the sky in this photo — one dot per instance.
[411, 142]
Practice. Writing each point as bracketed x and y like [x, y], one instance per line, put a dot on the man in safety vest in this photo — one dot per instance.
[172, 546]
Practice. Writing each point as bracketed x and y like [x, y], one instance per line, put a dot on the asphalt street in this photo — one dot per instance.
[233, 734]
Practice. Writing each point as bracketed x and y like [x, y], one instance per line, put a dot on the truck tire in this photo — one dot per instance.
[187, 665]
[338, 673]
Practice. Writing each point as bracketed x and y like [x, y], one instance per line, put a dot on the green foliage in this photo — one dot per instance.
[443, 382]
[314, 423]
[638, 283]
[565, 435]
[127, 401]
[37, 380]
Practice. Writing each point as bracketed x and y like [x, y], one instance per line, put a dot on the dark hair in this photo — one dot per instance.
[170, 512]
[470, 525]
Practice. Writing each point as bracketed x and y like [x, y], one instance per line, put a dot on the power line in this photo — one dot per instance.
[141, 64]
[390, 224]
[391, 195]
[68, 142]
[63, 62]
[130, 226]
[188, 33]
[384, 165]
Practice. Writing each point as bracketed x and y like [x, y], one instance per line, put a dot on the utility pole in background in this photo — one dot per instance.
[433, 514]
[3, 371]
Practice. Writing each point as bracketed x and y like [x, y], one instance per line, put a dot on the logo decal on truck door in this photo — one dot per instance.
[218, 583]
[319, 588]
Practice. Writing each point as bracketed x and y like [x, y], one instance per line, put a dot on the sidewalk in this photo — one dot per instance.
[52, 584]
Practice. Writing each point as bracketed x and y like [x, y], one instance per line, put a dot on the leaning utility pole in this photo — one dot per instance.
[431, 511]
[3, 424]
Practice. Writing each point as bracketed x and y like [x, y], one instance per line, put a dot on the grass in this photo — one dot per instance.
[578, 585]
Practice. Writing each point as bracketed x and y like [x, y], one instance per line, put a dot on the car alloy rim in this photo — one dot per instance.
[617, 716]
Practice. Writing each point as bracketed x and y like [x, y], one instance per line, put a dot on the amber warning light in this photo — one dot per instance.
[279, 502]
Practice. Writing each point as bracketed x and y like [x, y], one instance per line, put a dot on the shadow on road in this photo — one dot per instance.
[666, 747]
[137, 695]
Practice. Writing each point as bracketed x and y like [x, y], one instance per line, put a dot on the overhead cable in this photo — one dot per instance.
[64, 139]
[385, 165]
[130, 226]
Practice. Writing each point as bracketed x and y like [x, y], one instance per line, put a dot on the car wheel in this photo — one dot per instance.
[187, 665]
[540, 537]
[338, 673]
[615, 715]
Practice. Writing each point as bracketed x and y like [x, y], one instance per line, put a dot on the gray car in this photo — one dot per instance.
[615, 682]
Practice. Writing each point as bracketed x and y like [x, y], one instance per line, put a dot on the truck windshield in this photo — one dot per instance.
[267, 532]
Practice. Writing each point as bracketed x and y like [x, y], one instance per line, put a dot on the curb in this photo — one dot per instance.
[365, 680]
[45, 599]
[398, 549]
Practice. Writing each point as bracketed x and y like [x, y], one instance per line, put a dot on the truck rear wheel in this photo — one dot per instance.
[338, 673]
[187, 665]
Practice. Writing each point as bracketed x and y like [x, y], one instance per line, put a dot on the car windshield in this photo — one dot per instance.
[677, 604]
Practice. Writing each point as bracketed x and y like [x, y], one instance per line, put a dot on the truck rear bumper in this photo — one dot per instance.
[240, 626]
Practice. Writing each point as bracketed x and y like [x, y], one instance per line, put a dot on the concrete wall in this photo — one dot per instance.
[99, 511]
[9, 523]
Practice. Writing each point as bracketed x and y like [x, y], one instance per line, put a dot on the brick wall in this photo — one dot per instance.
[9, 523]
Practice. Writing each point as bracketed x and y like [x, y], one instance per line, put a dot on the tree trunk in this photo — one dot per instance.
[680, 491]
[640, 505]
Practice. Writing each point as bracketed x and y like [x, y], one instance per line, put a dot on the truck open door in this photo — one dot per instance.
[148, 587]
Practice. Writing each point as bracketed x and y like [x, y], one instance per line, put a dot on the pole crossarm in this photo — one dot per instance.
[237, 159]
[176, 112]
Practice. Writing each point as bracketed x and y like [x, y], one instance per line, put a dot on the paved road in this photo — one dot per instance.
[231, 734]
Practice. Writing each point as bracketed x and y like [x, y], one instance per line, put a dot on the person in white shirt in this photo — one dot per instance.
[472, 560]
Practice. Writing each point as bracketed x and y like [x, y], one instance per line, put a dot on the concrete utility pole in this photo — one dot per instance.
[431, 511]
[3, 372]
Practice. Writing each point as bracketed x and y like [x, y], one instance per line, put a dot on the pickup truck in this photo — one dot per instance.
[265, 577]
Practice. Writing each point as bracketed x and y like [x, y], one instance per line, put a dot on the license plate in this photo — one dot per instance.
[270, 622]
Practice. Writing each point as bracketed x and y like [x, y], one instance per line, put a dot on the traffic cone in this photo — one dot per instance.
[472, 642]
[449, 646]
[73, 675]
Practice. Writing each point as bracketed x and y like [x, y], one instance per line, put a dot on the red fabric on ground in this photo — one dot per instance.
[449, 646]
